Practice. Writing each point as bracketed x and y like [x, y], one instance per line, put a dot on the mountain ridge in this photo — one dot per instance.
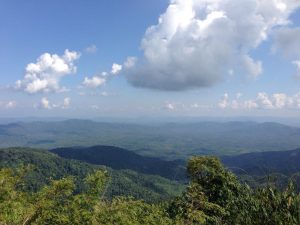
[119, 158]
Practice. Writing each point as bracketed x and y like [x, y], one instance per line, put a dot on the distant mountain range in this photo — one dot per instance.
[168, 141]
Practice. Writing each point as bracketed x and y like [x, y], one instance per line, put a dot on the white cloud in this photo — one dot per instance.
[100, 80]
[116, 68]
[170, 106]
[287, 42]
[195, 106]
[250, 104]
[45, 104]
[281, 100]
[199, 106]
[235, 104]
[67, 103]
[10, 105]
[254, 69]
[264, 101]
[196, 42]
[104, 94]
[94, 82]
[224, 103]
[46, 73]
[130, 62]
[91, 49]
[275, 101]
[297, 100]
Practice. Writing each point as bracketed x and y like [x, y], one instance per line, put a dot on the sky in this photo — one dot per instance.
[159, 58]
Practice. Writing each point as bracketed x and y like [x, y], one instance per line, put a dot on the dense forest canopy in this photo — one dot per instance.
[214, 196]
[47, 166]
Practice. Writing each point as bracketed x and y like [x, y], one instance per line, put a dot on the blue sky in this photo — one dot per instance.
[136, 58]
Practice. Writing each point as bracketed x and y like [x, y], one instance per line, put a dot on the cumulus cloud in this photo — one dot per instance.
[100, 80]
[45, 75]
[297, 100]
[251, 67]
[11, 105]
[94, 82]
[169, 106]
[67, 103]
[250, 104]
[130, 62]
[116, 68]
[224, 103]
[287, 42]
[8, 105]
[281, 100]
[196, 42]
[46, 104]
[262, 101]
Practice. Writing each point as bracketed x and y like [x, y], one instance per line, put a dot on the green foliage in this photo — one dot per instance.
[13, 203]
[57, 204]
[276, 207]
[213, 197]
[129, 211]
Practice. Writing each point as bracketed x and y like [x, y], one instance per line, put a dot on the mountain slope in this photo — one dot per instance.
[261, 163]
[123, 182]
[118, 158]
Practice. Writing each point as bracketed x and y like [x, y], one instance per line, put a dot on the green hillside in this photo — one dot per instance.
[119, 158]
[48, 166]
[214, 196]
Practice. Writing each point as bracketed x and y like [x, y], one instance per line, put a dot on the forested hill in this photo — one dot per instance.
[48, 166]
[118, 158]
[253, 164]
[263, 163]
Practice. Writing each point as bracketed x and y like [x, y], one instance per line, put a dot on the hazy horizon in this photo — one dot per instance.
[158, 120]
